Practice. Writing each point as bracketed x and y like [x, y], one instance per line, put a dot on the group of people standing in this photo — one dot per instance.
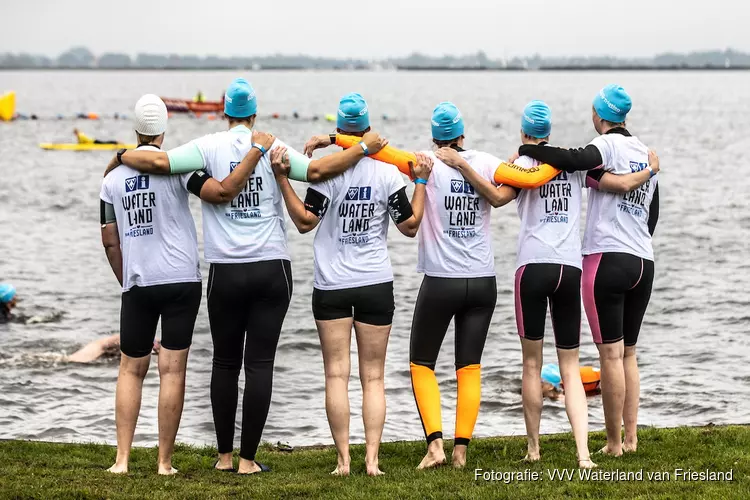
[242, 176]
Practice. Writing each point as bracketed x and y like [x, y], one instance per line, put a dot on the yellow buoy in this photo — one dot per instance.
[7, 106]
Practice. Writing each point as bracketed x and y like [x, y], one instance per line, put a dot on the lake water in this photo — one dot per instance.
[694, 343]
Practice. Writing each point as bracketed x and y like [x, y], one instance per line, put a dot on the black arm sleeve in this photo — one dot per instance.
[316, 203]
[570, 160]
[399, 206]
[106, 212]
[653, 212]
[196, 181]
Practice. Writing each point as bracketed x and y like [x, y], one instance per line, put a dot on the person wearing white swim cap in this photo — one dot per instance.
[250, 280]
[353, 284]
[8, 301]
[618, 263]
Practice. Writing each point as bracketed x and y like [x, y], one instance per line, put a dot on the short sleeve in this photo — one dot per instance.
[605, 150]
[105, 193]
[325, 188]
[489, 165]
[394, 181]
[185, 178]
[207, 147]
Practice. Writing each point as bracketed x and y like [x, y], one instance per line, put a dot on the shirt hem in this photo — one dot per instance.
[620, 250]
[485, 274]
[247, 260]
[562, 262]
[196, 279]
[353, 285]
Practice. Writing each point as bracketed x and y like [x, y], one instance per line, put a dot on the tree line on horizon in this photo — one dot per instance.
[83, 58]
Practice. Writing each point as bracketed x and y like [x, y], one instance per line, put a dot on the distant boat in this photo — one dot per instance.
[190, 106]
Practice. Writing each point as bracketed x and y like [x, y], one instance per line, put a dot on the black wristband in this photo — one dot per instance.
[332, 137]
[119, 155]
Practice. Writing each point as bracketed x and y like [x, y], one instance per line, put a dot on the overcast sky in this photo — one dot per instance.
[374, 29]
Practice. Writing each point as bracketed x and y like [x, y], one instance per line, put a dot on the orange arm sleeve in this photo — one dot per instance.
[388, 154]
[524, 178]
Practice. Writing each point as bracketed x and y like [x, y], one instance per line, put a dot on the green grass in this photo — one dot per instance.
[51, 470]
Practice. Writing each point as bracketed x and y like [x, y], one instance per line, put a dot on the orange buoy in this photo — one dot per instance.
[93, 116]
[591, 378]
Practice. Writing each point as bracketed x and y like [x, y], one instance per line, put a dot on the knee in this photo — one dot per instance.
[532, 363]
[611, 352]
[232, 365]
[136, 367]
[629, 351]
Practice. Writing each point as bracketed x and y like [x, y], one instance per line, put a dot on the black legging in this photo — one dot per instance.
[470, 300]
[245, 298]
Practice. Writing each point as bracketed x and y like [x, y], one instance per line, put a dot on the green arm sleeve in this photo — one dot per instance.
[299, 164]
[185, 158]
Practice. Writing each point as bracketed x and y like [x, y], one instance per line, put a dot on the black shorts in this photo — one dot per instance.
[556, 284]
[470, 302]
[176, 303]
[373, 304]
[616, 290]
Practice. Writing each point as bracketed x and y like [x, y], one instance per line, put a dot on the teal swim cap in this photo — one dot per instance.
[551, 374]
[239, 99]
[612, 103]
[353, 115]
[7, 292]
[536, 120]
[447, 122]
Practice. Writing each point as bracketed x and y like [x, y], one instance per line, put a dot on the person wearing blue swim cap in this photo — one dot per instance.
[353, 282]
[618, 262]
[8, 301]
[459, 285]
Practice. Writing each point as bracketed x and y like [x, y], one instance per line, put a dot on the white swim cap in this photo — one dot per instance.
[150, 115]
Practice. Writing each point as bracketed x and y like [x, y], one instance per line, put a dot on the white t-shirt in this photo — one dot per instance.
[350, 243]
[454, 237]
[550, 220]
[617, 222]
[250, 228]
[157, 233]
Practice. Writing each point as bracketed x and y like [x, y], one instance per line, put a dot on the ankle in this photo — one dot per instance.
[436, 447]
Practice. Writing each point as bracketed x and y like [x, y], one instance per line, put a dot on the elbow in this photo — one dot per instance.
[497, 202]
[314, 173]
[304, 228]
[410, 230]
[161, 164]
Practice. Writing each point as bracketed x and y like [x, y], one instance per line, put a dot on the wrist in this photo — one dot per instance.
[419, 181]
[260, 148]
[364, 148]
[651, 171]
[331, 138]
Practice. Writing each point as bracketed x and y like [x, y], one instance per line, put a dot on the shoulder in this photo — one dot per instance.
[526, 162]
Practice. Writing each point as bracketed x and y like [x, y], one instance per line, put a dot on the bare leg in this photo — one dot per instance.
[613, 394]
[632, 399]
[172, 366]
[128, 406]
[335, 341]
[531, 394]
[575, 404]
[372, 343]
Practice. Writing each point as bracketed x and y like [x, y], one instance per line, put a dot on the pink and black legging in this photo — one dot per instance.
[556, 284]
[616, 288]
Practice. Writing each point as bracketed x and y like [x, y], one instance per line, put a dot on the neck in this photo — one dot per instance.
[237, 123]
[606, 127]
[534, 140]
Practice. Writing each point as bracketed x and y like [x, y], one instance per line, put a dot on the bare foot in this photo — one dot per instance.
[586, 463]
[248, 467]
[167, 471]
[224, 462]
[532, 457]
[374, 470]
[118, 469]
[340, 470]
[612, 453]
[630, 446]
[459, 456]
[432, 460]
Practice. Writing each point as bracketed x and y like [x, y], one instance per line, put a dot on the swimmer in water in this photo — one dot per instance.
[353, 284]
[250, 280]
[8, 301]
[85, 139]
[106, 347]
[618, 263]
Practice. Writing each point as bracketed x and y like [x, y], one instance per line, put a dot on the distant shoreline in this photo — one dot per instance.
[397, 68]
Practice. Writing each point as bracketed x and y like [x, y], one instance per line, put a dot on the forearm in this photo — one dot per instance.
[417, 205]
[334, 164]
[485, 188]
[233, 184]
[114, 256]
[623, 183]
[148, 162]
[570, 160]
[303, 220]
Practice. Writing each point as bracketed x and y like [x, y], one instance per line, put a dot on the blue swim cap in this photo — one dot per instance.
[551, 374]
[353, 115]
[7, 292]
[239, 99]
[612, 103]
[537, 119]
[447, 122]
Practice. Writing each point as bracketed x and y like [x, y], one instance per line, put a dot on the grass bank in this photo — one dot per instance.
[51, 470]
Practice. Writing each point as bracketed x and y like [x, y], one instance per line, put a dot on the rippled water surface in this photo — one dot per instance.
[694, 342]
